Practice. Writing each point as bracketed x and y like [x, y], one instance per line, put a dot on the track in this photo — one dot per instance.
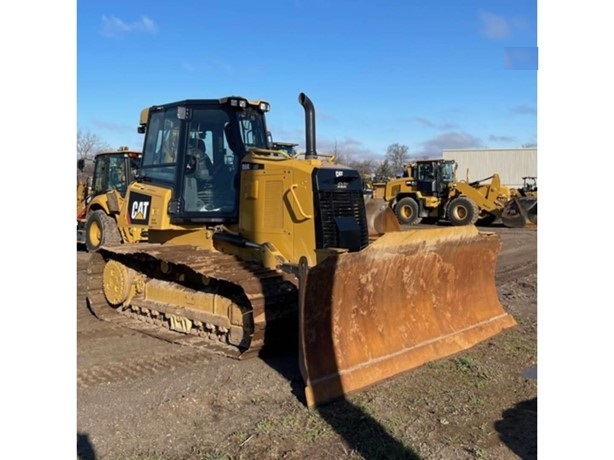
[263, 295]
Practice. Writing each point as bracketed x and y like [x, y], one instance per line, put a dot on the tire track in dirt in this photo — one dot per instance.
[509, 273]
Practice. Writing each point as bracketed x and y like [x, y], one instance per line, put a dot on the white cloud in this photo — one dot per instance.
[430, 124]
[451, 140]
[114, 27]
[524, 109]
[495, 27]
[520, 58]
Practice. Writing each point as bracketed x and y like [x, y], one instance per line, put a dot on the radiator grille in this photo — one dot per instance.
[334, 204]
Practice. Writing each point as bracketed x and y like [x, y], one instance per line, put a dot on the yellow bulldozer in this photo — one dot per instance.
[99, 220]
[247, 243]
[429, 189]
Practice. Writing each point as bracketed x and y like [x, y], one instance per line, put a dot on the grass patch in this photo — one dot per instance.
[265, 426]
[469, 368]
[478, 452]
[464, 364]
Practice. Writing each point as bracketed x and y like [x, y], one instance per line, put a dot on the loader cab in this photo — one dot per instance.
[434, 177]
[195, 147]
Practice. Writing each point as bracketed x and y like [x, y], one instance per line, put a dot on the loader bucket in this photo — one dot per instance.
[409, 298]
[380, 218]
[520, 212]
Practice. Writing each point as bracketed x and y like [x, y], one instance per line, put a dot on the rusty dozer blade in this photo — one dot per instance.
[520, 212]
[411, 297]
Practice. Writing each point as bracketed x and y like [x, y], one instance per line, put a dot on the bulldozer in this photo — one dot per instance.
[99, 221]
[429, 189]
[247, 244]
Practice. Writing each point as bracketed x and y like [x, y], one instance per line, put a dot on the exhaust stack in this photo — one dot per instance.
[310, 126]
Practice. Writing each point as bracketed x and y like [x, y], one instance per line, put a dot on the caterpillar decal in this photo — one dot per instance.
[139, 206]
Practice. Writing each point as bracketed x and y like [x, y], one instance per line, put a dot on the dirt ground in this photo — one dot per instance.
[142, 398]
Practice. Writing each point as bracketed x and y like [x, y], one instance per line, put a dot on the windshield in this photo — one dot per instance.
[447, 172]
[109, 174]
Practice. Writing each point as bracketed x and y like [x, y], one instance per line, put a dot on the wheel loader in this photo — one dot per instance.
[99, 221]
[521, 209]
[430, 190]
[248, 243]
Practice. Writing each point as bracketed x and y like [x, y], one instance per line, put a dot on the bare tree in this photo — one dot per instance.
[397, 156]
[364, 167]
[341, 158]
[88, 144]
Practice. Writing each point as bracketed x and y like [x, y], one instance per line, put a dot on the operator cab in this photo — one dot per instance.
[434, 177]
[114, 171]
[195, 148]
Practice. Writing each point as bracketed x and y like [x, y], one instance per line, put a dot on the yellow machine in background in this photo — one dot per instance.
[430, 190]
[99, 221]
[521, 209]
[247, 243]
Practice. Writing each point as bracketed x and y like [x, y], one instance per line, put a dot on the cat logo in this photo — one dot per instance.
[138, 208]
[338, 173]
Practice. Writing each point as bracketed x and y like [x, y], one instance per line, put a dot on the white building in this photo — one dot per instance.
[511, 164]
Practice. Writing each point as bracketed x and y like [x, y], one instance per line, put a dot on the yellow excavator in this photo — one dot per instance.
[246, 243]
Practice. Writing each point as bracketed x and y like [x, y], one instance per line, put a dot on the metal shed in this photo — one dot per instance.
[511, 164]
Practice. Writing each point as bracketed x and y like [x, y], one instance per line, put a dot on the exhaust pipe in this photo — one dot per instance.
[310, 126]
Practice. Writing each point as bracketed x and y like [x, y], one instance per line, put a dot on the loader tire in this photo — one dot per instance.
[407, 211]
[101, 230]
[463, 211]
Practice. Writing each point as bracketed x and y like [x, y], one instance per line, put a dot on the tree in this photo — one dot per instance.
[364, 167]
[340, 157]
[88, 144]
[383, 172]
[397, 157]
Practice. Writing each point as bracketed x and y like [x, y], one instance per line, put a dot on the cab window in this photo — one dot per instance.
[161, 146]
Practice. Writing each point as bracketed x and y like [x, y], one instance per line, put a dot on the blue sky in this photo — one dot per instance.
[427, 74]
